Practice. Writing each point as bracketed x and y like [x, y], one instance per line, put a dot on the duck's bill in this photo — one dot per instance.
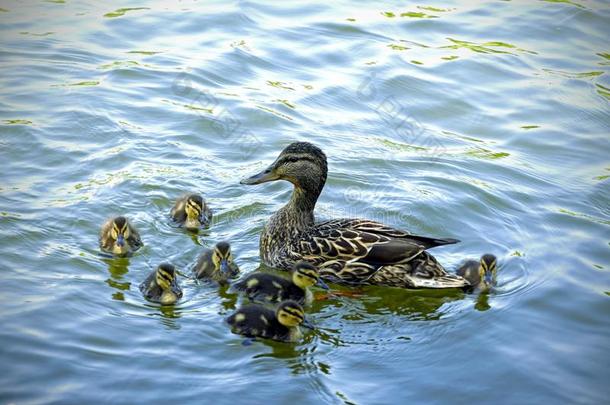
[322, 284]
[262, 177]
[224, 267]
[307, 324]
[176, 290]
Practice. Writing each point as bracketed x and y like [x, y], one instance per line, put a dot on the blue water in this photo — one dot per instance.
[483, 121]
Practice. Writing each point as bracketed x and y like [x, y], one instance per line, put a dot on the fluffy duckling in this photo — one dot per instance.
[482, 274]
[273, 288]
[191, 211]
[216, 264]
[119, 237]
[161, 285]
[255, 320]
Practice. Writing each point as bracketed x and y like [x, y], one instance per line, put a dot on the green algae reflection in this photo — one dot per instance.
[17, 122]
[485, 47]
[564, 2]
[121, 11]
[603, 91]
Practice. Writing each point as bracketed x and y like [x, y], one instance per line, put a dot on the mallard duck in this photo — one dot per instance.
[272, 288]
[191, 211]
[349, 251]
[118, 236]
[480, 274]
[216, 264]
[161, 285]
[254, 320]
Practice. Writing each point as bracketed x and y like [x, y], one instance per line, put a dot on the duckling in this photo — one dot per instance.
[254, 320]
[161, 285]
[272, 288]
[118, 236]
[482, 274]
[216, 264]
[191, 211]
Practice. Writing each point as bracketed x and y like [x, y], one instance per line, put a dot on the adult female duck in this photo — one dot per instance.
[347, 251]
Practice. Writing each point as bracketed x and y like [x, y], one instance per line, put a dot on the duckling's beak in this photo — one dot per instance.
[488, 279]
[120, 241]
[224, 266]
[176, 290]
[307, 324]
[322, 284]
[266, 175]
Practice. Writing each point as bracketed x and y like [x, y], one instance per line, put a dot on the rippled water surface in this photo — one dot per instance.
[484, 121]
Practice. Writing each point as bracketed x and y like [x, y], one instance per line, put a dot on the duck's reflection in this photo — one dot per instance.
[482, 303]
[414, 304]
[118, 268]
[168, 315]
[228, 297]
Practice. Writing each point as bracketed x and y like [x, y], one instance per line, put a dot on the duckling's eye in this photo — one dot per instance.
[126, 232]
[114, 233]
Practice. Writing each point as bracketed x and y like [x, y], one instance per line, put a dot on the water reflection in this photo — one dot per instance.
[413, 304]
[482, 303]
[298, 359]
[228, 297]
[168, 315]
[118, 268]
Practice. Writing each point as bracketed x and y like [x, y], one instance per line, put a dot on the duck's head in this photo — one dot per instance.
[291, 314]
[305, 275]
[165, 277]
[120, 233]
[222, 259]
[301, 163]
[194, 209]
[487, 271]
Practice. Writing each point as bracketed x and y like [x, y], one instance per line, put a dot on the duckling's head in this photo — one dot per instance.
[165, 277]
[301, 163]
[290, 314]
[305, 275]
[120, 233]
[193, 209]
[222, 258]
[487, 271]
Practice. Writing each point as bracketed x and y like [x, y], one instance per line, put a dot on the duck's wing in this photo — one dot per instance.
[206, 213]
[204, 266]
[105, 240]
[466, 267]
[149, 287]
[134, 238]
[178, 212]
[423, 271]
[261, 287]
[364, 241]
[378, 228]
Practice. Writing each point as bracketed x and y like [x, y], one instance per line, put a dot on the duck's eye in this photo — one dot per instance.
[126, 232]
[114, 232]
[216, 258]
